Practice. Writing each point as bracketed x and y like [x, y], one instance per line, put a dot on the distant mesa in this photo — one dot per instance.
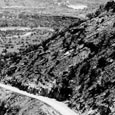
[69, 5]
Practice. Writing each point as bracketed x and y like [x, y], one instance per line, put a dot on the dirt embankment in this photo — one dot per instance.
[17, 104]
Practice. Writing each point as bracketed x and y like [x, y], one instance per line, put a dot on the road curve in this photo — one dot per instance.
[58, 106]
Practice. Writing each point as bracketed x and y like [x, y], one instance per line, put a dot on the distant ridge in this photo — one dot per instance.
[24, 3]
[42, 3]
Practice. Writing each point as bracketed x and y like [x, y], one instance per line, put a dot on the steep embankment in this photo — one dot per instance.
[61, 108]
[76, 65]
[15, 103]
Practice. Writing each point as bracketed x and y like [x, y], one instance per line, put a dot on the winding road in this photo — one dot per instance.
[26, 28]
[58, 106]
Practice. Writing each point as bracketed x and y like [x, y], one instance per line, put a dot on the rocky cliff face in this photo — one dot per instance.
[77, 65]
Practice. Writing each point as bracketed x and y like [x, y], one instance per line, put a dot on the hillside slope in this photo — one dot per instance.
[76, 64]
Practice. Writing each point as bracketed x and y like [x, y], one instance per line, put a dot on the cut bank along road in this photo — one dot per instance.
[58, 106]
